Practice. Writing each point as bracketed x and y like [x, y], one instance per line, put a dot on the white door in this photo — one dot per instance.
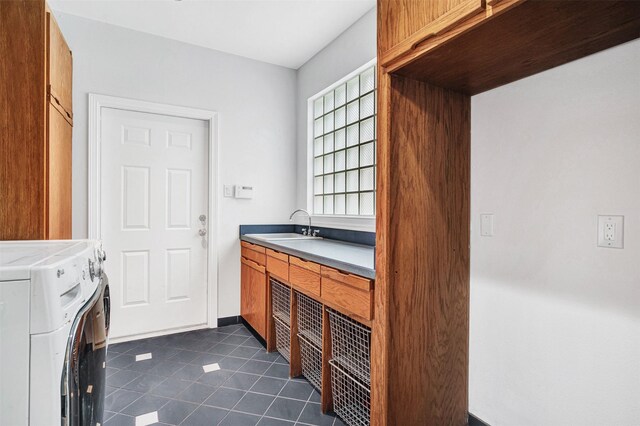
[154, 198]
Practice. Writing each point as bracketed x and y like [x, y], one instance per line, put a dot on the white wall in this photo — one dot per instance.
[555, 321]
[349, 51]
[255, 102]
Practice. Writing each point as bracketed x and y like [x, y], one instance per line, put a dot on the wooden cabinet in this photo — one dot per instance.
[36, 122]
[253, 295]
[348, 293]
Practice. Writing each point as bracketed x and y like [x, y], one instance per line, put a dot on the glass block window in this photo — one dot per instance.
[344, 147]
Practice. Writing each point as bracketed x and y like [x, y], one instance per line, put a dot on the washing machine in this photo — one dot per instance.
[54, 324]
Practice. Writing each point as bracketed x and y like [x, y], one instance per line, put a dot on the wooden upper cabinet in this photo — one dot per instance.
[406, 24]
[59, 176]
[60, 70]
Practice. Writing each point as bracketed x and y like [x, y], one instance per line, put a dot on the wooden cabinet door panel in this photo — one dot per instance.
[253, 296]
[60, 73]
[59, 176]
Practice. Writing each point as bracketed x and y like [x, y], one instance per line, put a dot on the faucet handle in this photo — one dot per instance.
[304, 231]
[315, 232]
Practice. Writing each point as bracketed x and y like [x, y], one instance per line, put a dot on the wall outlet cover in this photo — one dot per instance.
[611, 231]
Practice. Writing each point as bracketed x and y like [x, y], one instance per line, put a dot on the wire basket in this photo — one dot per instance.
[311, 358]
[351, 345]
[281, 302]
[283, 338]
[310, 319]
[351, 399]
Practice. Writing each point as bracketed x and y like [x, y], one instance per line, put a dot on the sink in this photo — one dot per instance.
[282, 236]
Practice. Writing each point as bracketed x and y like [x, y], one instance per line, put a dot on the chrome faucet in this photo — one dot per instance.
[304, 231]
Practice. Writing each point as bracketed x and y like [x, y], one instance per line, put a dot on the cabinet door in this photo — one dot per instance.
[59, 176]
[60, 72]
[253, 295]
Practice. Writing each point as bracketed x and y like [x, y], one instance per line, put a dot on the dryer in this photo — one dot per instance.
[54, 321]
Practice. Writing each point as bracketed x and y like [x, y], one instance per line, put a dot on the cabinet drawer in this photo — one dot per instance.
[259, 258]
[351, 293]
[280, 256]
[253, 247]
[305, 264]
[304, 279]
[277, 267]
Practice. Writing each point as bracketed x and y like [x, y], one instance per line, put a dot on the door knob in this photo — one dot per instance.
[202, 232]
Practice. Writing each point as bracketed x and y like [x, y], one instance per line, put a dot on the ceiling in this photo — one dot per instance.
[281, 32]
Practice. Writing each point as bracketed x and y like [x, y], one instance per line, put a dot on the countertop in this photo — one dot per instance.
[348, 257]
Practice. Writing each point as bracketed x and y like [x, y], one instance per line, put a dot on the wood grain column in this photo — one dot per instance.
[421, 329]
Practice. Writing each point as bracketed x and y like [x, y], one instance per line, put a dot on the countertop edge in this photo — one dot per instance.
[334, 263]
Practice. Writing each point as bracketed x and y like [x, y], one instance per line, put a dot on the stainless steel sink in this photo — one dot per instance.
[282, 237]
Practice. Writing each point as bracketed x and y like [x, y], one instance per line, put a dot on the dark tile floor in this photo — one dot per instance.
[246, 385]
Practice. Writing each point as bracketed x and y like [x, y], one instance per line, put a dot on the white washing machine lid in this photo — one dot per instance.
[18, 258]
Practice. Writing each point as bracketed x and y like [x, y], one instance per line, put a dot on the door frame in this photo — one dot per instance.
[96, 104]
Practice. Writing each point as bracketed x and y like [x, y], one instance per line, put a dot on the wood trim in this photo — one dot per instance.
[54, 103]
[250, 263]
[440, 25]
[271, 326]
[60, 180]
[326, 395]
[346, 278]
[295, 363]
[304, 264]
[277, 255]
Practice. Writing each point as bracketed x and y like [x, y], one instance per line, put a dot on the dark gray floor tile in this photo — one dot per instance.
[280, 371]
[267, 421]
[122, 361]
[231, 363]
[107, 415]
[120, 420]
[222, 349]
[244, 352]
[254, 403]
[144, 404]
[111, 371]
[215, 378]
[196, 345]
[144, 383]
[240, 419]
[166, 368]
[263, 355]
[120, 399]
[197, 393]
[234, 340]
[124, 346]
[205, 416]
[225, 398]
[297, 390]
[242, 332]
[174, 412]
[164, 353]
[189, 372]
[206, 358]
[170, 387]
[122, 377]
[143, 366]
[281, 360]
[312, 414]
[338, 422]
[287, 409]
[108, 390]
[315, 396]
[242, 381]
[255, 367]
[269, 385]
[253, 343]
[185, 356]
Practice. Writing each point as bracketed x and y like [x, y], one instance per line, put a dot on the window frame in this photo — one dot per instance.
[358, 222]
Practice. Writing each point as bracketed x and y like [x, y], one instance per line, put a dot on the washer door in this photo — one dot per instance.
[83, 380]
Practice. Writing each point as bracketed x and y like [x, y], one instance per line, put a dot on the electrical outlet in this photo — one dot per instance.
[486, 225]
[228, 190]
[611, 231]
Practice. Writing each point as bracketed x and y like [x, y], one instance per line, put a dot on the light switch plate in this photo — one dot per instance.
[228, 190]
[611, 231]
[486, 225]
